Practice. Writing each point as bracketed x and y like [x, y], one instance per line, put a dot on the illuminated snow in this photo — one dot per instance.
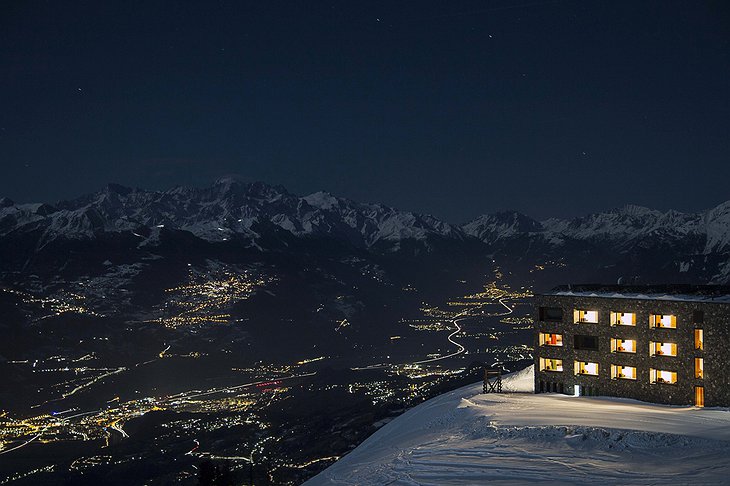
[465, 437]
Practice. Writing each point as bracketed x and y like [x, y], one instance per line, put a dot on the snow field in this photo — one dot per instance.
[468, 438]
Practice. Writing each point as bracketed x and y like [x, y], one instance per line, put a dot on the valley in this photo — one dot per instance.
[89, 409]
[151, 334]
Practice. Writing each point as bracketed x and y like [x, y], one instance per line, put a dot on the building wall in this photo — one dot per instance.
[716, 328]
[717, 355]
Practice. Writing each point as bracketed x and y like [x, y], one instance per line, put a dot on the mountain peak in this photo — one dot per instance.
[321, 200]
[254, 190]
[113, 188]
[229, 181]
[503, 224]
[636, 210]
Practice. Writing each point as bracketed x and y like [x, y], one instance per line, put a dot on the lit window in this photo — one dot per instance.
[699, 396]
[623, 346]
[547, 364]
[663, 320]
[699, 368]
[623, 319]
[548, 339]
[586, 368]
[662, 376]
[623, 372]
[699, 339]
[662, 349]
[585, 316]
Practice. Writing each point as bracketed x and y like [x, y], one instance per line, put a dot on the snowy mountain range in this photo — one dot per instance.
[229, 209]
[255, 214]
[623, 227]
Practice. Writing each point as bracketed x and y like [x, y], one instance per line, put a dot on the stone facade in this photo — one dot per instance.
[673, 351]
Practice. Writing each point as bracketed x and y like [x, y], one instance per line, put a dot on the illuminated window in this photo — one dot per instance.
[699, 368]
[623, 319]
[585, 316]
[662, 349]
[699, 339]
[662, 376]
[663, 320]
[586, 368]
[547, 364]
[547, 339]
[623, 372]
[699, 396]
[623, 346]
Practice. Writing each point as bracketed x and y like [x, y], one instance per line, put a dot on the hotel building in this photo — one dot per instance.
[664, 344]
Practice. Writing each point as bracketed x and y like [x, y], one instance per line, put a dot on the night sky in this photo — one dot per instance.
[552, 108]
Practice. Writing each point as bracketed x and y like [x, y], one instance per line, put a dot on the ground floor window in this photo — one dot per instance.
[549, 364]
[586, 368]
[623, 372]
[551, 387]
[699, 396]
[585, 391]
[662, 376]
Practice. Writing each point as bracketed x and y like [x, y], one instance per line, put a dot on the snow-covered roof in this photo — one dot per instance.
[676, 293]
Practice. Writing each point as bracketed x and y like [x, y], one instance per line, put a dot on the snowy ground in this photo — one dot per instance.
[465, 437]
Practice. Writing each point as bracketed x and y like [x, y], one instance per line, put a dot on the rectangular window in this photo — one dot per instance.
[699, 368]
[699, 339]
[662, 376]
[547, 364]
[623, 346]
[553, 314]
[699, 396]
[698, 317]
[623, 319]
[551, 339]
[586, 368]
[665, 321]
[588, 343]
[585, 316]
[662, 349]
[623, 372]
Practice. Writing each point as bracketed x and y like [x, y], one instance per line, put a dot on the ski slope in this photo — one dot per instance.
[465, 437]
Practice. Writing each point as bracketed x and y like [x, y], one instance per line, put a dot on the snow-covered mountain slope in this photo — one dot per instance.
[623, 227]
[492, 227]
[465, 437]
[232, 209]
[633, 241]
[228, 209]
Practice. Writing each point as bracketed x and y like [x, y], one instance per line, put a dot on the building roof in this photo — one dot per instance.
[672, 292]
